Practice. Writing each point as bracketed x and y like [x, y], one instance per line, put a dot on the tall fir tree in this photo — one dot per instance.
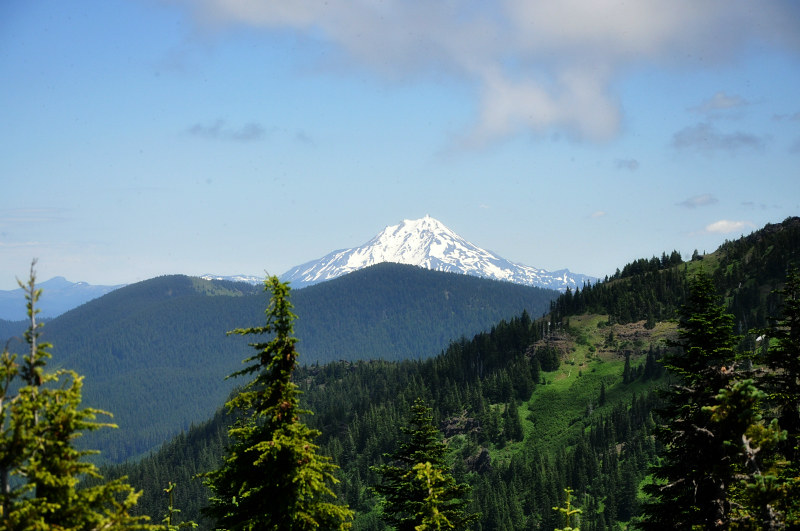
[417, 486]
[568, 512]
[696, 469]
[783, 385]
[272, 477]
[749, 443]
[512, 424]
[41, 472]
[783, 358]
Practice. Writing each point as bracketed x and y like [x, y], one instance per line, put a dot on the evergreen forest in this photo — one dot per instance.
[666, 396]
[155, 353]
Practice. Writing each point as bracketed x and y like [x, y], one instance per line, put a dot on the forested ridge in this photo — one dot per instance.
[155, 353]
[656, 373]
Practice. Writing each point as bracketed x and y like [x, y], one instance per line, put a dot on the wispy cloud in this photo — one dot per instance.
[303, 138]
[753, 205]
[20, 245]
[699, 201]
[725, 226]
[707, 139]
[626, 164]
[720, 102]
[598, 214]
[219, 130]
[791, 117]
[31, 215]
[538, 66]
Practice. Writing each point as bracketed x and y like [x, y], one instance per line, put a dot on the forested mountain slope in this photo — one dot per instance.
[528, 408]
[745, 271]
[518, 432]
[156, 353]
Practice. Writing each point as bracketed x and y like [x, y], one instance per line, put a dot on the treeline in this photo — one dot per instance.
[746, 273]
[643, 265]
[651, 296]
[751, 269]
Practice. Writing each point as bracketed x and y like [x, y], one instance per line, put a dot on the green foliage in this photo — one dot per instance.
[172, 513]
[416, 485]
[653, 290]
[654, 294]
[783, 386]
[783, 358]
[568, 512]
[745, 267]
[697, 469]
[40, 469]
[273, 478]
[749, 443]
[436, 484]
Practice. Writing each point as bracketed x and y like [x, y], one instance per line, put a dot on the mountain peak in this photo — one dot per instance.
[428, 243]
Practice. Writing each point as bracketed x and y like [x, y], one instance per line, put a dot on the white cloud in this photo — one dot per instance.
[539, 65]
[725, 226]
[598, 214]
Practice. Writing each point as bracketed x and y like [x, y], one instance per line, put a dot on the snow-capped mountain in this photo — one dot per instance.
[429, 243]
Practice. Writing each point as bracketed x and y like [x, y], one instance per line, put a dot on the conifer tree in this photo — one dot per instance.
[783, 357]
[696, 469]
[171, 516]
[512, 424]
[749, 444]
[272, 478]
[40, 469]
[416, 479]
[568, 512]
[436, 484]
[783, 385]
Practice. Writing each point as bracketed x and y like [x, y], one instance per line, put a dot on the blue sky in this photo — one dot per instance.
[149, 137]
